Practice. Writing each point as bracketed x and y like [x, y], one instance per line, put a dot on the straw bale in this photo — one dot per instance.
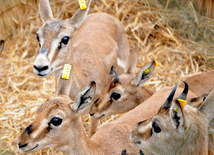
[180, 40]
[11, 12]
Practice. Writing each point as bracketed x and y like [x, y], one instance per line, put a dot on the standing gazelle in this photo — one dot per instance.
[176, 129]
[90, 45]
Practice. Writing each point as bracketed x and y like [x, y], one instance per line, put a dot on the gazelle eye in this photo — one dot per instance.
[115, 96]
[156, 128]
[65, 40]
[56, 121]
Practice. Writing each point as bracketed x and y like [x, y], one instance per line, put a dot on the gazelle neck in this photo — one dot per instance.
[143, 94]
[77, 142]
[64, 85]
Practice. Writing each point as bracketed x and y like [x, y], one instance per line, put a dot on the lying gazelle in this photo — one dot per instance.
[1, 45]
[176, 128]
[58, 124]
[123, 92]
[90, 45]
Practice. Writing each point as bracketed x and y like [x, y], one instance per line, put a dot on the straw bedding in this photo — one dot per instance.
[178, 38]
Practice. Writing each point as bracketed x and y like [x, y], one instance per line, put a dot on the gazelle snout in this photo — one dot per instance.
[41, 66]
[24, 143]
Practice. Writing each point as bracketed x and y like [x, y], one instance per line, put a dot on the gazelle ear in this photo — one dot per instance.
[116, 75]
[176, 115]
[144, 74]
[123, 152]
[176, 110]
[132, 61]
[84, 97]
[1, 45]
[79, 17]
[45, 10]
[207, 107]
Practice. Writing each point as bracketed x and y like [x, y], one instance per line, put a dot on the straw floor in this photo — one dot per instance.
[179, 39]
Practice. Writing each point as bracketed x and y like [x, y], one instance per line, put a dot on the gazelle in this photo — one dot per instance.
[123, 92]
[90, 45]
[176, 128]
[58, 124]
[1, 45]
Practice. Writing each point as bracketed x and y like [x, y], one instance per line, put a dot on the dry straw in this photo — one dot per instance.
[178, 38]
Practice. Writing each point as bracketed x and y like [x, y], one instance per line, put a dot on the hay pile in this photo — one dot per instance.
[161, 34]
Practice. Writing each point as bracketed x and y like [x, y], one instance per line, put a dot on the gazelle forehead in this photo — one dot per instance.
[118, 89]
[53, 26]
[56, 103]
[145, 126]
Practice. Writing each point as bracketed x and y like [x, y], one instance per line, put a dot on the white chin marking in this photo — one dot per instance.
[42, 74]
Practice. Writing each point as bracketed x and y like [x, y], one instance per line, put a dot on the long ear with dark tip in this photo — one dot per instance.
[168, 101]
[45, 10]
[144, 74]
[116, 75]
[132, 61]
[141, 152]
[123, 152]
[112, 70]
[84, 97]
[80, 16]
[1, 45]
[177, 115]
[183, 95]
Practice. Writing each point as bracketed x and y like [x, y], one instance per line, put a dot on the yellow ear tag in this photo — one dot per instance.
[66, 71]
[147, 70]
[82, 4]
[156, 63]
[175, 110]
[182, 102]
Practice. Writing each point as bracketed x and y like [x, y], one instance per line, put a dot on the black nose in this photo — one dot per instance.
[29, 129]
[21, 146]
[91, 114]
[40, 68]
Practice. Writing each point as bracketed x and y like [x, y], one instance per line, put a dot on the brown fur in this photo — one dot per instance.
[199, 84]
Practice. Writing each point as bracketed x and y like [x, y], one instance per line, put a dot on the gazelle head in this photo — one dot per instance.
[57, 122]
[55, 39]
[176, 128]
[1, 45]
[121, 93]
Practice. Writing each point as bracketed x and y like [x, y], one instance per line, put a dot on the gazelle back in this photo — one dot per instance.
[176, 128]
[199, 84]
